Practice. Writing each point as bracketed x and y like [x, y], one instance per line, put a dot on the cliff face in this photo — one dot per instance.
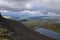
[20, 31]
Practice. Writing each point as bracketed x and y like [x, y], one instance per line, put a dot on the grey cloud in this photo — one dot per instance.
[50, 5]
[11, 9]
[17, 0]
[13, 5]
[18, 5]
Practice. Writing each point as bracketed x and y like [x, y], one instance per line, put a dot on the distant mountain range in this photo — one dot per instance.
[28, 16]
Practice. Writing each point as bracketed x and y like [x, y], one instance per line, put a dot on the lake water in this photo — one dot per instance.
[49, 33]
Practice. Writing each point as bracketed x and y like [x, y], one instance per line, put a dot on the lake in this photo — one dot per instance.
[49, 33]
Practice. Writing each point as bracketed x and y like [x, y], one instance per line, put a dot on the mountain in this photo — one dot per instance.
[20, 31]
[17, 16]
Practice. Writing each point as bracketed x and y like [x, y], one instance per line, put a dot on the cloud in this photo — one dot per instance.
[13, 5]
[32, 13]
[36, 5]
[52, 14]
[53, 5]
[29, 13]
[47, 5]
[39, 13]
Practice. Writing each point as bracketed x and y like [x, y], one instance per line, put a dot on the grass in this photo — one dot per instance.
[47, 25]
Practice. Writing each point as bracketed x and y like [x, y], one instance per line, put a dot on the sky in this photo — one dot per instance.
[35, 7]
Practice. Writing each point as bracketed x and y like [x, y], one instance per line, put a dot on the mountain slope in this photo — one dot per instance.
[20, 31]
